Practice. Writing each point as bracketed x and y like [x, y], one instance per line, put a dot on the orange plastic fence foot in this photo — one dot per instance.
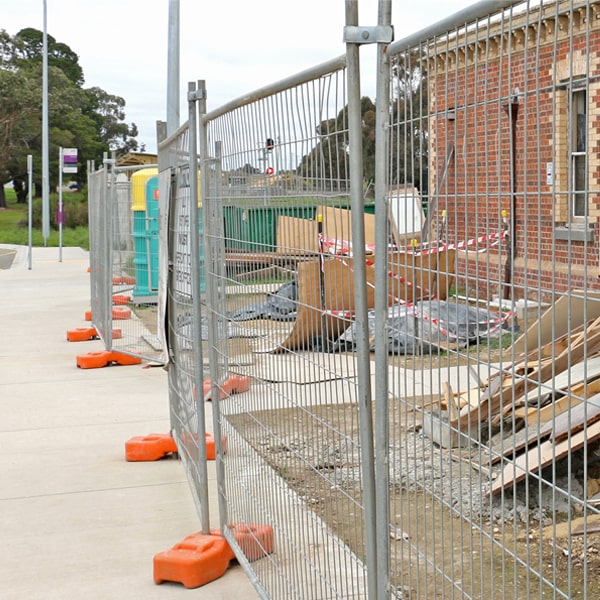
[201, 558]
[121, 312]
[96, 360]
[82, 334]
[256, 541]
[85, 334]
[123, 280]
[149, 447]
[118, 313]
[196, 561]
[120, 300]
[211, 451]
[125, 359]
[235, 384]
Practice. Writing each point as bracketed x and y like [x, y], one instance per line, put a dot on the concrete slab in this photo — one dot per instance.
[76, 519]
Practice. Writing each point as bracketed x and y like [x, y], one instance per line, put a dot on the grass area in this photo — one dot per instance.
[14, 221]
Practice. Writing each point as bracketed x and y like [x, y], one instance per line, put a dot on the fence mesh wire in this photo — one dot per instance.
[124, 256]
[484, 361]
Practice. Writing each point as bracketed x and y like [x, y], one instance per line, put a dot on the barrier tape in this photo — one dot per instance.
[344, 247]
[348, 315]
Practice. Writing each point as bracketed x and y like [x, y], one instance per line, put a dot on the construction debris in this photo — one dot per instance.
[326, 295]
[535, 411]
[431, 324]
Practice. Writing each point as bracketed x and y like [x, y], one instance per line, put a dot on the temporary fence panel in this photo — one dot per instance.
[484, 357]
[100, 266]
[491, 401]
[183, 281]
[275, 189]
[124, 250]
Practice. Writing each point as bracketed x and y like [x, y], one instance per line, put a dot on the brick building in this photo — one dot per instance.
[515, 111]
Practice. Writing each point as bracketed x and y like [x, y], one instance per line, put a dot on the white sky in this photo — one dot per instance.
[236, 46]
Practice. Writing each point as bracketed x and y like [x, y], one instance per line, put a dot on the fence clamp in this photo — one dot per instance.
[199, 94]
[380, 34]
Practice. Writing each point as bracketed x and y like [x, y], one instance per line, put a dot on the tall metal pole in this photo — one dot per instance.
[30, 207]
[45, 145]
[59, 213]
[364, 400]
[382, 489]
[173, 69]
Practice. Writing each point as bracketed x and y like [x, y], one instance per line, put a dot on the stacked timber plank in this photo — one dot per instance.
[546, 404]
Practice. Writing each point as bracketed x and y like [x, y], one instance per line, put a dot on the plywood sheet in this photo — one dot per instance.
[296, 236]
[337, 224]
[568, 312]
[541, 456]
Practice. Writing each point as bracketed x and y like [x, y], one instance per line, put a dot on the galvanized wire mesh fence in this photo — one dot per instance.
[124, 252]
[492, 435]
[477, 257]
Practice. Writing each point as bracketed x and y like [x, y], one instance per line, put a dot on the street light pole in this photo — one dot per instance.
[45, 152]
[173, 68]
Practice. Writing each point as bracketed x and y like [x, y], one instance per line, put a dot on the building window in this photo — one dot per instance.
[578, 153]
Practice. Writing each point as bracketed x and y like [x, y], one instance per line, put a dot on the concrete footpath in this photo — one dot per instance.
[76, 519]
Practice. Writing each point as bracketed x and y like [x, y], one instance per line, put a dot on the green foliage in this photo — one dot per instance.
[15, 218]
[91, 120]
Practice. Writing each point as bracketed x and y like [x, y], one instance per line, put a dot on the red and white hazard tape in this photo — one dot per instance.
[344, 247]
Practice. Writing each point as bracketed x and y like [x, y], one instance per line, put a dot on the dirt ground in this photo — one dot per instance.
[423, 530]
[327, 477]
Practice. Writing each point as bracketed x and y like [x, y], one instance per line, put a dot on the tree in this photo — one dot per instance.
[409, 140]
[328, 160]
[19, 119]
[91, 120]
[108, 112]
[28, 53]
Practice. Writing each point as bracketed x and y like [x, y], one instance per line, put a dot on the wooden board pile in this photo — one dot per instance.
[548, 401]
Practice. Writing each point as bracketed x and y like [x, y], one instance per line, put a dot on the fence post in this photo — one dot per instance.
[382, 466]
[360, 288]
[193, 96]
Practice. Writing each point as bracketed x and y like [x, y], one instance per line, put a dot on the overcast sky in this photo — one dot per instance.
[236, 46]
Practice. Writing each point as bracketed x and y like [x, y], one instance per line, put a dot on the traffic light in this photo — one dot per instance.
[270, 144]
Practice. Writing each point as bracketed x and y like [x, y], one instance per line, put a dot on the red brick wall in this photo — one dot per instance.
[478, 183]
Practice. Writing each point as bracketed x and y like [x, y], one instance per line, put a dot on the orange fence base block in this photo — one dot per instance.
[235, 384]
[150, 447]
[201, 558]
[97, 360]
[123, 280]
[255, 541]
[121, 313]
[82, 334]
[196, 561]
[121, 300]
[93, 360]
[211, 451]
[125, 359]
[85, 334]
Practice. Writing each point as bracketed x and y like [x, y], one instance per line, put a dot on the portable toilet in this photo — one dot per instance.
[144, 204]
